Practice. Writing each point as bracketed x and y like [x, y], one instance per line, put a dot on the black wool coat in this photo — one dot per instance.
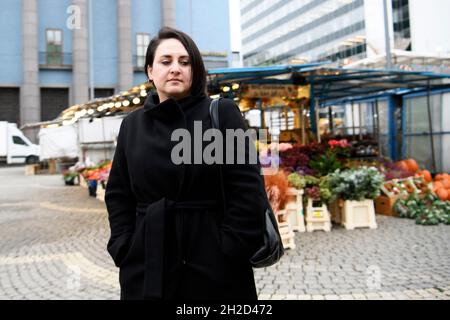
[170, 234]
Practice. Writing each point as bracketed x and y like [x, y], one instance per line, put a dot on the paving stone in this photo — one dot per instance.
[346, 297]
[412, 260]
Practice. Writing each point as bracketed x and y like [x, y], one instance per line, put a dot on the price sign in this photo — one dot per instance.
[317, 214]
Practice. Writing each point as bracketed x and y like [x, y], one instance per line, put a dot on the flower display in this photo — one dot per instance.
[338, 144]
[356, 184]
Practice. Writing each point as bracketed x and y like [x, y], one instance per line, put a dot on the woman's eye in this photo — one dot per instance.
[185, 63]
[165, 62]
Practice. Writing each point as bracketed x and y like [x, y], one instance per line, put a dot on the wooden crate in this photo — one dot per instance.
[285, 228]
[359, 214]
[52, 166]
[100, 192]
[294, 210]
[31, 169]
[336, 211]
[317, 218]
[384, 205]
[83, 182]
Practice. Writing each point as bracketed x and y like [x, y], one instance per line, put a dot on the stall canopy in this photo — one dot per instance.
[331, 85]
[326, 85]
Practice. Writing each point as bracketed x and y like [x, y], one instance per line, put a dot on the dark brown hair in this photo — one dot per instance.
[198, 87]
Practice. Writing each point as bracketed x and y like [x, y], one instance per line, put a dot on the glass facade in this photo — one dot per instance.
[281, 31]
[276, 32]
[356, 51]
[417, 139]
[402, 28]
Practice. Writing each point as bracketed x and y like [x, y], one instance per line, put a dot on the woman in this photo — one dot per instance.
[170, 234]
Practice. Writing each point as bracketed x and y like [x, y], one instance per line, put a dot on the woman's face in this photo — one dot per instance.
[171, 71]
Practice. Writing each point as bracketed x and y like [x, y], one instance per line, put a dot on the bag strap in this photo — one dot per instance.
[215, 123]
[214, 113]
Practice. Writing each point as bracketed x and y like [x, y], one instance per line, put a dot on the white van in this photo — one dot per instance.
[15, 147]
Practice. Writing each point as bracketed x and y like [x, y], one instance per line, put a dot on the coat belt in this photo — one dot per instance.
[154, 216]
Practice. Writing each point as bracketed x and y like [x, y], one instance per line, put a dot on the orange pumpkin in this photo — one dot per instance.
[437, 185]
[446, 184]
[442, 194]
[412, 165]
[402, 165]
[426, 175]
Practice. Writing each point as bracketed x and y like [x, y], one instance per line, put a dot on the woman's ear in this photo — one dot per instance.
[149, 73]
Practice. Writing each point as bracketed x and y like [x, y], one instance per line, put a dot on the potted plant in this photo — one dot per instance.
[71, 178]
[294, 205]
[357, 188]
[316, 195]
[277, 192]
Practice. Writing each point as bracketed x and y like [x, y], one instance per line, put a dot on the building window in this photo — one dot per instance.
[236, 56]
[103, 92]
[402, 28]
[345, 53]
[54, 47]
[142, 41]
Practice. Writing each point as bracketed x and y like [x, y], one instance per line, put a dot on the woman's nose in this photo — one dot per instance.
[175, 67]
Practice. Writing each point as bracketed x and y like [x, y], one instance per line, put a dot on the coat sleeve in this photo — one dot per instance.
[120, 202]
[242, 224]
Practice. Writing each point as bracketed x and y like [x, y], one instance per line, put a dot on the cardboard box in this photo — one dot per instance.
[31, 169]
[385, 205]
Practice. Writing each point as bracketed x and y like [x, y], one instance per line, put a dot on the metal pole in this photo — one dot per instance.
[373, 114]
[316, 111]
[353, 120]
[360, 122]
[387, 36]
[312, 108]
[330, 119]
[430, 123]
[91, 54]
[378, 127]
[303, 126]
[261, 113]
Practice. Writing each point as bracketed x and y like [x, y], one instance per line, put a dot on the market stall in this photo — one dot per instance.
[336, 136]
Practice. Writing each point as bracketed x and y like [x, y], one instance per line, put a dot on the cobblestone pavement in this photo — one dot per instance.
[53, 246]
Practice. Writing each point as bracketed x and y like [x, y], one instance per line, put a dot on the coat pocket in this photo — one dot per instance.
[136, 243]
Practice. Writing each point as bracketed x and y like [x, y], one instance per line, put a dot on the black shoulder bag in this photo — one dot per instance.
[272, 249]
